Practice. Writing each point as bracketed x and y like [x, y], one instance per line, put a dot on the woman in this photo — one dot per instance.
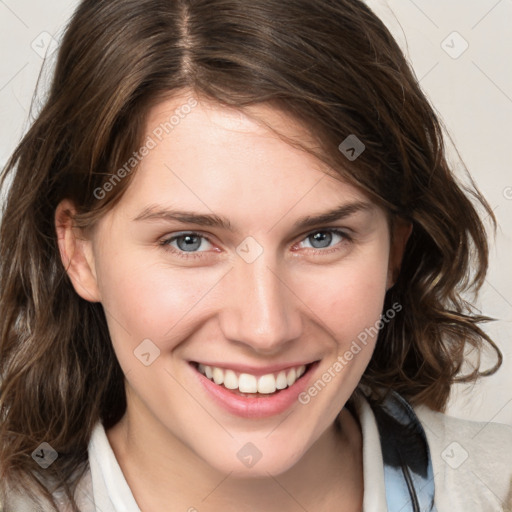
[232, 258]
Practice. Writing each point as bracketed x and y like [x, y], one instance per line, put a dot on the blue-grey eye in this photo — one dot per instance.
[323, 239]
[187, 242]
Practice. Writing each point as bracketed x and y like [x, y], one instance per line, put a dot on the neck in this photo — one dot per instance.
[164, 471]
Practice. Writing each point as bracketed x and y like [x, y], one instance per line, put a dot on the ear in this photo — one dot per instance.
[76, 253]
[401, 231]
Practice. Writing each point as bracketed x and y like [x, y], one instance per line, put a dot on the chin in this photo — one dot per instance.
[257, 459]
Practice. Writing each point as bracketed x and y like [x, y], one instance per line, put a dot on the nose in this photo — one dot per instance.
[259, 310]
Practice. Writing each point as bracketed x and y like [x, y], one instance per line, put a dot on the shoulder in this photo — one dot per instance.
[472, 462]
[17, 501]
[20, 501]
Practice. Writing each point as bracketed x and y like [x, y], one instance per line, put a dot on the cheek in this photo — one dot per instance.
[349, 297]
[145, 298]
[150, 300]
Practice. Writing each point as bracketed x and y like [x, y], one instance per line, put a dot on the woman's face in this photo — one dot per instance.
[255, 298]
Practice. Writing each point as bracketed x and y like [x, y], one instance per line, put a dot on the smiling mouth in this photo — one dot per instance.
[248, 385]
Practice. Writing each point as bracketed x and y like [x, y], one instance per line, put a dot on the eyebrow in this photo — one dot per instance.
[155, 212]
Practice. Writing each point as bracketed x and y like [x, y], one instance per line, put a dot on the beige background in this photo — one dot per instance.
[461, 51]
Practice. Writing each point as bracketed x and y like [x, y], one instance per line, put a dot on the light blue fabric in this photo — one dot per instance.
[408, 474]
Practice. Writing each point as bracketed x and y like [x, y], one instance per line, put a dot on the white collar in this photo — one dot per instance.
[110, 489]
[111, 492]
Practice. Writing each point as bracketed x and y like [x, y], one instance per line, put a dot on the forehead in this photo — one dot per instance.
[261, 136]
[210, 157]
[251, 120]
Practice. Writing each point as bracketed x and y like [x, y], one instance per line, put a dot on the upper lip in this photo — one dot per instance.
[255, 370]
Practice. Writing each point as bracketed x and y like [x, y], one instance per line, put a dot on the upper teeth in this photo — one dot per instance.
[247, 383]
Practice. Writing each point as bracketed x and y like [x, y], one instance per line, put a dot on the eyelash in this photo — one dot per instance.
[190, 255]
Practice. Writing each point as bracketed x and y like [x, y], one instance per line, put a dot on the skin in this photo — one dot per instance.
[295, 302]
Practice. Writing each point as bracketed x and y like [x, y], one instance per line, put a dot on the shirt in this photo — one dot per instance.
[471, 462]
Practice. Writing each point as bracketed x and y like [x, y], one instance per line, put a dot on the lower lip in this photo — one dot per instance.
[255, 407]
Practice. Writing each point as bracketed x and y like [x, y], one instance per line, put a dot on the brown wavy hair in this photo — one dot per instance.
[330, 64]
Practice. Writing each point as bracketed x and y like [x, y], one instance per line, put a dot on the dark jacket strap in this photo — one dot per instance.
[408, 471]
